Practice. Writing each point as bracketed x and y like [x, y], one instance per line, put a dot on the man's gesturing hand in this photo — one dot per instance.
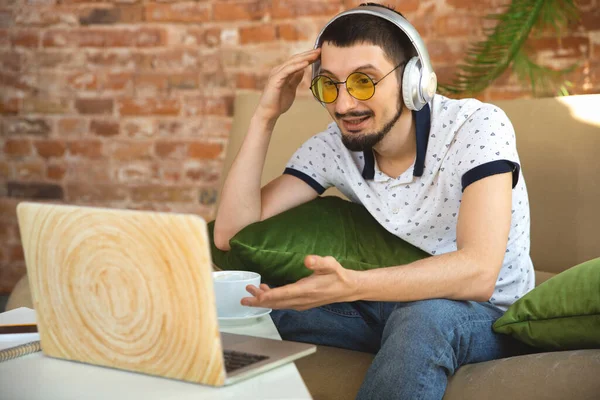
[280, 90]
[329, 283]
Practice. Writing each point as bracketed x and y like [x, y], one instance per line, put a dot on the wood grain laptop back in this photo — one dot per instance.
[123, 289]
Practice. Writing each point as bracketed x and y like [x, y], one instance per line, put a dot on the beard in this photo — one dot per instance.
[361, 142]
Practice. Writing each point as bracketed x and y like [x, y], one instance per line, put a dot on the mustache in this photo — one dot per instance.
[357, 114]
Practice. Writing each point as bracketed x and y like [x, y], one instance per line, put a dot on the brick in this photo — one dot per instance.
[455, 25]
[169, 59]
[208, 196]
[183, 81]
[86, 171]
[160, 193]
[94, 192]
[137, 172]
[16, 253]
[131, 150]
[30, 170]
[50, 148]
[240, 10]
[6, 19]
[257, 34]
[202, 172]
[148, 106]
[570, 46]
[208, 127]
[118, 81]
[46, 15]
[60, 59]
[590, 20]
[27, 126]
[18, 147]
[291, 32]
[10, 274]
[5, 168]
[106, 128]
[83, 81]
[8, 208]
[205, 150]
[201, 105]
[96, 58]
[162, 81]
[60, 38]
[16, 80]
[126, 14]
[4, 38]
[139, 128]
[37, 191]
[93, 37]
[13, 60]
[170, 174]
[71, 127]
[56, 172]
[85, 148]
[245, 80]
[468, 4]
[25, 38]
[170, 149]
[208, 37]
[46, 105]
[284, 9]
[402, 6]
[153, 81]
[439, 50]
[6, 233]
[94, 106]
[9, 105]
[178, 12]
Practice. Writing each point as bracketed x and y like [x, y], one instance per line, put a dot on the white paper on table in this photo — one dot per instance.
[17, 316]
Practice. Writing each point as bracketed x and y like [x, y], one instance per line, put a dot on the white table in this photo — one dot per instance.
[38, 377]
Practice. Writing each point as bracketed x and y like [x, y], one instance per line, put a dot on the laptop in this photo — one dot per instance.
[133, 290]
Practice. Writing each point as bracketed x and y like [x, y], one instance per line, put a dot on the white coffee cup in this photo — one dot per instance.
[230, 288]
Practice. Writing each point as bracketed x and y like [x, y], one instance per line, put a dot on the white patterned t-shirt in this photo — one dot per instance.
[458, 143]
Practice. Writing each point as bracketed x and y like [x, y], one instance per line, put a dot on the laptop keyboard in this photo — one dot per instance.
[235, 360]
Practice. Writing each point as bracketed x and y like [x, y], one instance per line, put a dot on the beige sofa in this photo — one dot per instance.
[558, 141]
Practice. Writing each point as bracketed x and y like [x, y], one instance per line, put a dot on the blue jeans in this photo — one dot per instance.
[418, 345]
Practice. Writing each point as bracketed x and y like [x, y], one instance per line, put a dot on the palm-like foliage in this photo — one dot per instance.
[504, 46]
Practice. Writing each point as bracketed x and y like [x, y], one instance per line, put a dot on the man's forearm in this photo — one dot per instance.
[240, 203]
[458, 275]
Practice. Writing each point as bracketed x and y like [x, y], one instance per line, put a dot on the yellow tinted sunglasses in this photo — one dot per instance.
[358, 84]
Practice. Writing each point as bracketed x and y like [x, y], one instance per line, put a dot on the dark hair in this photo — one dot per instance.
[352, 29]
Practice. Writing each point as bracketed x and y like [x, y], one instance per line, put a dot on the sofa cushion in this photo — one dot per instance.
[326, 226]
[561, 313]
[333, 373]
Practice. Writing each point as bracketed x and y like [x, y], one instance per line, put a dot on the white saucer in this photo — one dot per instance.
[249, 318]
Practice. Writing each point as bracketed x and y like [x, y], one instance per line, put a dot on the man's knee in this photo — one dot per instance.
[421, 319]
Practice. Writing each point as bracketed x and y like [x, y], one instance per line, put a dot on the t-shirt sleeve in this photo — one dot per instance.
[486, 146]
[314, 163]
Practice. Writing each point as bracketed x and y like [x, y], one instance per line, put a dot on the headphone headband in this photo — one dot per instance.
[422, 88]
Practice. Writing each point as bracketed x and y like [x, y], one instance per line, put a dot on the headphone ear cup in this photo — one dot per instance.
[411, 78]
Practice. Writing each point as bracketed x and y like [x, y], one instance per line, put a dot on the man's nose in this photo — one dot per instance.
[344, 101]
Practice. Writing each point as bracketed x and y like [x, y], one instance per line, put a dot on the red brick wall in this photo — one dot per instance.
[128, 103]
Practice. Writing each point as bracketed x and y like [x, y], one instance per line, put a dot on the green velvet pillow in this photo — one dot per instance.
[560, 314]
[326, 226]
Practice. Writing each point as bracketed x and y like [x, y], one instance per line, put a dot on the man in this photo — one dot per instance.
[445, 178]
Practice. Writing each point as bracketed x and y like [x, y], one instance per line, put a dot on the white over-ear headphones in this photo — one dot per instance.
[419, 82]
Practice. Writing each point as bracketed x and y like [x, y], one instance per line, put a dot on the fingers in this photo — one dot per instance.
[296, 63]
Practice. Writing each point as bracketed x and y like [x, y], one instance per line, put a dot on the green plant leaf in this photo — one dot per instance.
[485, 61]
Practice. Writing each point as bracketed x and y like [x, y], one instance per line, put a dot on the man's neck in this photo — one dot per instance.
[397, 151]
